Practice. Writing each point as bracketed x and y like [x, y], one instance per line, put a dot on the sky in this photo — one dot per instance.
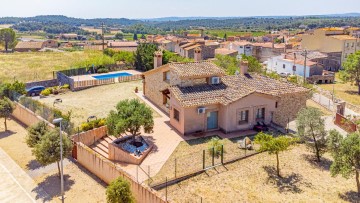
[181, 8]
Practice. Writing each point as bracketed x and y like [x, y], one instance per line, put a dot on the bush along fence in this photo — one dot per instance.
[39, 110]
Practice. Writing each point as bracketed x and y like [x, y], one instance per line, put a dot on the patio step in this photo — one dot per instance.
[100, 151]
[107, 139]
[102, 145]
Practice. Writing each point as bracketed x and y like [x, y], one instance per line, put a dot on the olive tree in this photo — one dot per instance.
[274, 145]
[311, 130]
[35, 133]
[6, 109]
[130, 116]
[351, 72]
[346, 154]
[47, 150]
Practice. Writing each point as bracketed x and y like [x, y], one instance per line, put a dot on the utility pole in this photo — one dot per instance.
[103, 38]
[305, 66]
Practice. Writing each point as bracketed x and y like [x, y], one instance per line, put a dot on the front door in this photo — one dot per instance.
[212, 120]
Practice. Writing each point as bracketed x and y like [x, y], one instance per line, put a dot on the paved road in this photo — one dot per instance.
[329, 104]
[16, 185]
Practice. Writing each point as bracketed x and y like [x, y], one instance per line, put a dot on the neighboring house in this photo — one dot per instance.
[267, 50]
[122, 46]
[68, 36]
[226, 52]
[242, 47]
[294, 63]
[199, 97]
[332, 40]
[187, 50]
[35, 45]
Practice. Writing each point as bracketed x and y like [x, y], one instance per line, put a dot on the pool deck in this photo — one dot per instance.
[89, 77]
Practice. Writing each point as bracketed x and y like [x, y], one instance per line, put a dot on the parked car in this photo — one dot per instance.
[33, 91]
[260, 126]
[284, 74]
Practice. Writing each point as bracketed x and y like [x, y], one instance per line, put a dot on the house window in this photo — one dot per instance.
[284, 66]
[347, 44]
[276, 104]
[176, 115]
[244, 117]
[260, 113]
[352, 44]
[166, 76]
[294, 68]
[345, 55]
[241, 47]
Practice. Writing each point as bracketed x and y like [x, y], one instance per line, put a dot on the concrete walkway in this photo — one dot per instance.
[16, 185]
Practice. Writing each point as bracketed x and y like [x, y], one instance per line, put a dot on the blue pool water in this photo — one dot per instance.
[111, 75]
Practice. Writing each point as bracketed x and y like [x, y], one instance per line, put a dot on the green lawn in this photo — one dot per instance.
[32, 66]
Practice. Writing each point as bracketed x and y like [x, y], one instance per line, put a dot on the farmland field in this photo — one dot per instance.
[221, 33]
[32, 66]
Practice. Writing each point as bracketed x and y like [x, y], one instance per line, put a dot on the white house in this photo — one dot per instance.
[293, 64]
[242, 47]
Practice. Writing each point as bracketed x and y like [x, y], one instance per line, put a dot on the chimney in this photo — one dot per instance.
[202, 32]
[197, 54]
[158, 59]
[244, 66]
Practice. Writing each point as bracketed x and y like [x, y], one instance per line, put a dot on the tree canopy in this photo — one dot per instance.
[119, 35]
[346, 154]
[351, 72]
[311, 129]
[119, 191]
[130, 116]
[6, 109]
[8, 38]
[274, 145]
[35, 133]
[144, 56]
[47, 150]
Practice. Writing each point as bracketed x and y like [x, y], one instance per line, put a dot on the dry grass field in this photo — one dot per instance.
[325, 112]
[345, 91]
[96, 101]
[254, 180]
[32, 66]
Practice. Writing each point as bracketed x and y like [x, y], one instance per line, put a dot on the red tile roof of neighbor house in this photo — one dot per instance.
[121, 44]
[224, 51]
[343, 37]
[29, 45]
[196, 69]
[232, 89]
[192, 47]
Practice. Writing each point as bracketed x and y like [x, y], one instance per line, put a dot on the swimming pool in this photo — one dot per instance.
[111, 75]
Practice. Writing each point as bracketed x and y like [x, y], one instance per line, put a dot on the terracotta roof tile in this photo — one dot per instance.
[196, 69]
[232, 89]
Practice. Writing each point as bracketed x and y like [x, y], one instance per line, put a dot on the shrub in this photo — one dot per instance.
[119, 192]
[46, 92]
[216, 144]
[86, 126]
[66, 86]
[103, 70]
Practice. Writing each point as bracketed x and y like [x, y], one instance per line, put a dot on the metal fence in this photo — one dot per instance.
[187, 165]
[44, 111]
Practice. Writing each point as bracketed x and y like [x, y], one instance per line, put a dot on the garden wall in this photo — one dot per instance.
[27, 117]
[90, 137]
[345, 123]
[79, 85]
[45, 83]
[63, 79]
[108, 171]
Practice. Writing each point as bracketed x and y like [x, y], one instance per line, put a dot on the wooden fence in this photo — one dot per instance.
[78, 85]
[345, 123]
[129, 78]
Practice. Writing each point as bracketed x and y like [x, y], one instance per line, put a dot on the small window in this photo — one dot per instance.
[284, 66]
[352, 44]
[347, 44]
[166, 76]
[346, 55]
[276, 104]
[244, 117]
[294, 68]
[260, 113]
[176, 115]
[241, 47]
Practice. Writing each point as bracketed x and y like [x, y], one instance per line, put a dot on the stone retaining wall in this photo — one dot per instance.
[45, 83]
[90, 137]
